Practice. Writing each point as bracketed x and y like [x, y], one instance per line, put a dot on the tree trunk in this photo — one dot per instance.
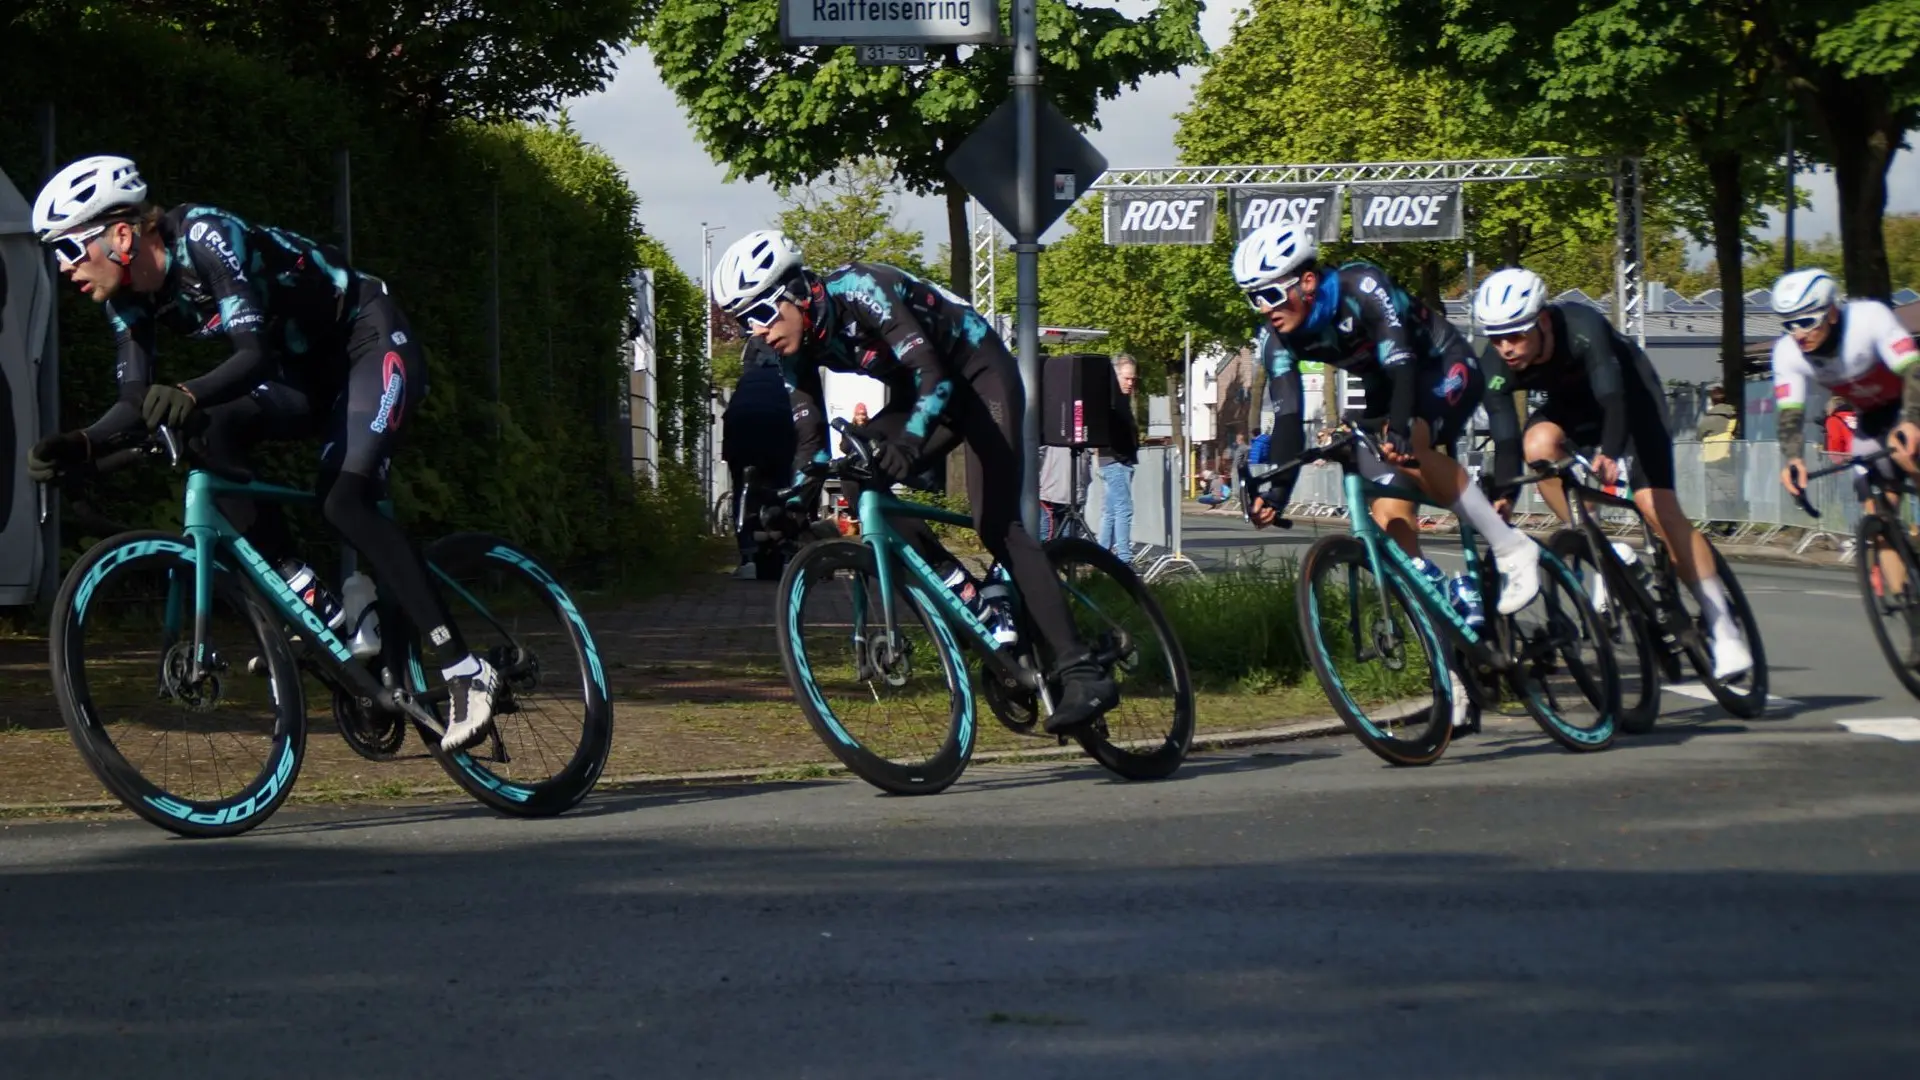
[959, 242]
[1512, 244]
[1430, 286]
[1861, 134]
[1729, 206]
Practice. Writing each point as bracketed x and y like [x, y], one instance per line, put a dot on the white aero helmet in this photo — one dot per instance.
[1272, 253]
[754, 266]
[86, 191]
[1509, 301]
[1804, 292]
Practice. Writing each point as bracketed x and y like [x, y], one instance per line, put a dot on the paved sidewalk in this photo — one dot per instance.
[711, 640]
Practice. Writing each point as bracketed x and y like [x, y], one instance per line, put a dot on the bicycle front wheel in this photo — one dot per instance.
[553, 726]
[1564, 670]
[898, 713]
[1147, 735]
[1375, 654]
[1636, 648]
[208, 757]
[1893, 605]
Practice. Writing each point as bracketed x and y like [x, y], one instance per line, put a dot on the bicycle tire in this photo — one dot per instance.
[1640, 709]
[1864, 564]
[257, 800]
[1752, 701]
[564, 789]
[1425, 743]
[1536, 698]
[816, 564]
[1146, 761]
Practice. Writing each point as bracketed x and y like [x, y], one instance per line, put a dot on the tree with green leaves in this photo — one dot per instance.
[432, 59]
[1306, 81]
[791, 114]
[1627, 75]
[1853, 66]
[851, 215]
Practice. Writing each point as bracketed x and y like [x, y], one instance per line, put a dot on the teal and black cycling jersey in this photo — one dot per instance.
[282, 301]
[1365, 324]
[878, 320]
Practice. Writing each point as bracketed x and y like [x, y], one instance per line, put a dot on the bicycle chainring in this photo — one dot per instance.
[373, 734]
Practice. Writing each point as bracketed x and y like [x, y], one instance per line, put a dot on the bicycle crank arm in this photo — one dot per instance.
[404, 701]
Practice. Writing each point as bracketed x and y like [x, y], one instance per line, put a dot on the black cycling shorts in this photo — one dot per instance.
[1448, 394]
[1648, 455]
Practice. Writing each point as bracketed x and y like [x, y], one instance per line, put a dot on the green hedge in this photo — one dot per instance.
[208, 125]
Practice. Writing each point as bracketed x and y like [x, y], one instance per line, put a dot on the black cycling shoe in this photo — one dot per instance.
[1086, 693]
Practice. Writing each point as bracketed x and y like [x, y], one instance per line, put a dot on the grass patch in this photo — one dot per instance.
[1240, 628]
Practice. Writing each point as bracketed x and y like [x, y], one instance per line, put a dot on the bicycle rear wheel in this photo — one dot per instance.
[1147, 735]
[1893, 613]
[1745, 694]
[553, 721]
[1564, 670]
[209, 758]
[1636, 648]
[898, 714]
[1380, 666]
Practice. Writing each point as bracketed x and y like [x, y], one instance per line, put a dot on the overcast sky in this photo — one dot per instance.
[638, 122]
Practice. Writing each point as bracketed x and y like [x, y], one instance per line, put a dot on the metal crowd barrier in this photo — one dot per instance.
[1157, 485]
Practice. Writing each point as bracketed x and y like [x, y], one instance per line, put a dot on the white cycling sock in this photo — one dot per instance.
[1713, 601]
[1473, 506]
[465, 668]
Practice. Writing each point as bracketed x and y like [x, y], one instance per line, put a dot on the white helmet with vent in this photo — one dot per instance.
[754, 266]
[1273, 253]
[1509, 301]
[1804, 292]
[86, 191]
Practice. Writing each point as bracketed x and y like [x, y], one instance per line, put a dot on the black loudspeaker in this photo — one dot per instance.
[1077, 395]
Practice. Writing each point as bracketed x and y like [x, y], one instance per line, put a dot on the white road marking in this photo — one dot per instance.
[1898, 728]
[1701, 693]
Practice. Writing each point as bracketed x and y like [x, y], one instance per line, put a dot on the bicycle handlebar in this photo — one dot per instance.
[161, 440]
[1874, 458]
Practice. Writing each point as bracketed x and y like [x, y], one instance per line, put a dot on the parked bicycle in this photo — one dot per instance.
[873, 644]
[1643, 606]
[1386, 644]
[1883, 559]
[177, 661]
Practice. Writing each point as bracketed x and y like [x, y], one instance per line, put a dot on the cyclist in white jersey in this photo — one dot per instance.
[1859, 351]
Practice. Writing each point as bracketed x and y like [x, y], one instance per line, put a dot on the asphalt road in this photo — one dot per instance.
[1721, 898]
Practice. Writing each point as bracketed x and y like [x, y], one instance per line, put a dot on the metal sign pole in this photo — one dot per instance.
[1026, 99]
[50, 391]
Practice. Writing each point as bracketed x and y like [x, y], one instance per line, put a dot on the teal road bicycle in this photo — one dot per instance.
[1386, 644]
[875, 646]
[177, 662]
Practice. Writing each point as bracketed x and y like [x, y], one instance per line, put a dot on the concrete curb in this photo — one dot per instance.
[1220, 740]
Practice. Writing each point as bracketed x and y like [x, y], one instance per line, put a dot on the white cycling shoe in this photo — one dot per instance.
[1731, 656]
[1519, 576]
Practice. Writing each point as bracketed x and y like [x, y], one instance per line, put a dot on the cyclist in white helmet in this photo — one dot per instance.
[1858, 351]
[1420, 378]
[951, 381]
[320, 351]
[1602, 394]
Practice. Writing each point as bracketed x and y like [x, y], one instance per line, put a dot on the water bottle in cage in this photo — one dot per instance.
[996, 606]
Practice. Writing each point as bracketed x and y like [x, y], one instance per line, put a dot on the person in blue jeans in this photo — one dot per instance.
[1116, 467]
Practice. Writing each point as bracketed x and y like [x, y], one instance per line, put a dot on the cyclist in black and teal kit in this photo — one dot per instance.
[319, 350]
[950, 380]
[1419, 374]
[1601, 393]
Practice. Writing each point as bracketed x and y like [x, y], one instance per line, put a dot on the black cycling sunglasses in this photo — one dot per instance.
[72, 248]
[1271, 296]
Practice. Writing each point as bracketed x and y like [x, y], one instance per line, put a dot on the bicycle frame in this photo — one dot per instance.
[891, 550]
[1581, 497]
[209, 531]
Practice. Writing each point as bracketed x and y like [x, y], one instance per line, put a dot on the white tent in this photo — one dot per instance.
[23, 346]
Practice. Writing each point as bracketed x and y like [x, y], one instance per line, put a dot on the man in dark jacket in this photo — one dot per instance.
[756, 432]
[1116, 464]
